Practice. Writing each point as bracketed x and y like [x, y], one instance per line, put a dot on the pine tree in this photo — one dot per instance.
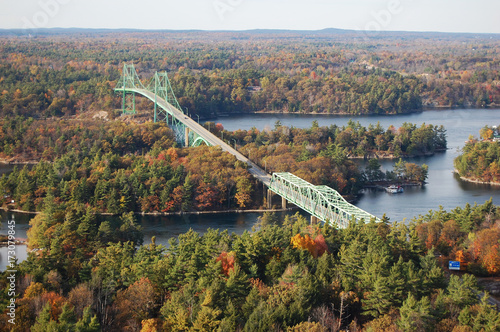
[208, 317]
[43, 320]
[187, 198]
[413, 279]
[487, 317]
[433, 275]
[251, 302]
[231, 319]
[113, 204]
[67, 318]
[462, 291]
[237, 285]
[415, 315]
[351, 258]
[396, 282]
[377, 300]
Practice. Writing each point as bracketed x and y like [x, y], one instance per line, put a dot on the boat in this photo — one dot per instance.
[393, 189]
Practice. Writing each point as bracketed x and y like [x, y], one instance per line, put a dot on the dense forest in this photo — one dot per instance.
[287, 275]
[117, 167]
[480, 158]
[219, 73]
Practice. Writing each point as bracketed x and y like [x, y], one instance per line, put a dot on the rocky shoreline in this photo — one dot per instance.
[166, 214]
[463, 178]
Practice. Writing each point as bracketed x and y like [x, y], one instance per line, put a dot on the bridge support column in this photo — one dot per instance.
[186, 136]
[283, 202]
[314, 220]
[269, 199]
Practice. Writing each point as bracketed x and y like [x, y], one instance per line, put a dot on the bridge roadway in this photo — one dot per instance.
[194, 126]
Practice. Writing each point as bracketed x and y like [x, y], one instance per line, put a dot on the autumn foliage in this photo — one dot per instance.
[316, 247]
[485, 248]
[469, 235]
[227, 262]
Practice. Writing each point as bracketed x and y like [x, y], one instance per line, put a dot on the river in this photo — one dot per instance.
[443, 187]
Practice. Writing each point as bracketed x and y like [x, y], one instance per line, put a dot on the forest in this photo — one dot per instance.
[89, 170]
[286, 275]
[217, 73]
[480, 158]
[117, 167]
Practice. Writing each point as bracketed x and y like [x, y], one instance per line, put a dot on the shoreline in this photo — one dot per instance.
[463, 178]
[14, 161]
[392, 157]
[384, 184]
[167, 214]
[181, 213]
[423, 109]
[324, 114]
[374, 154]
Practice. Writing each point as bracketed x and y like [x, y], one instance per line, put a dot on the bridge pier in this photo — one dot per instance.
[186, 136]
[269, 199]
[314, 220]
[270, 195]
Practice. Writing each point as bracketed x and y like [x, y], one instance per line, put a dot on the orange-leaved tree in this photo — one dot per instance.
[316, 247]
[485, 249]
[227, 261]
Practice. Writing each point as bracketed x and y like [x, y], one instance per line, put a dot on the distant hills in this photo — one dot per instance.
[329, 32]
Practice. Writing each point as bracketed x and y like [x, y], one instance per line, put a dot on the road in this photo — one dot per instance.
[194, 126]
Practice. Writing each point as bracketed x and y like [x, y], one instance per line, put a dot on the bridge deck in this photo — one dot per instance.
[194, 126]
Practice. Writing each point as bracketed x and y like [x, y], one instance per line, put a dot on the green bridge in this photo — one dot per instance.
[322, 202]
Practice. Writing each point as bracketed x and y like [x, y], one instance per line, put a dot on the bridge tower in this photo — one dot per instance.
[160, 86]
[130, 84]
[129, 81]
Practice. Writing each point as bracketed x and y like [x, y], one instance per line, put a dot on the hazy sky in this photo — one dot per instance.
[392, 15]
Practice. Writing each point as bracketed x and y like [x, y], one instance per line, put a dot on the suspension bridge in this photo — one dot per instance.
[322, 202]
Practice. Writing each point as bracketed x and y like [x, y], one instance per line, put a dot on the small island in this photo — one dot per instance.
[403, 174]
[480, 158]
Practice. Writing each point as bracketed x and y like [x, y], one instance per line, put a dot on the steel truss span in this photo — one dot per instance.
[323, 202]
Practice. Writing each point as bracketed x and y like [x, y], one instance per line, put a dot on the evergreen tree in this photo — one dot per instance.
[396, 282]
[462, 291]
[208, 317]
[43, 320]
[433, 275]
[187, 197]
[378, 300]
[67, 319]
[237, 285]
[415, 315]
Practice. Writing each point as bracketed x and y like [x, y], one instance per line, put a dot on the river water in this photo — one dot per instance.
[443, 187]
